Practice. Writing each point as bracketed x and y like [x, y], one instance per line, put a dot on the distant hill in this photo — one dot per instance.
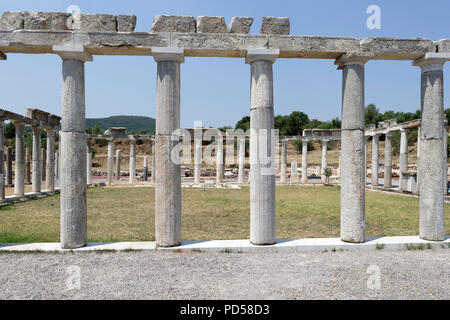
[132, 123]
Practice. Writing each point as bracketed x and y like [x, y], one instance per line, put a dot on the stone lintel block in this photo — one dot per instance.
[353, 58]
[275, 25]
[126, 23]
[37, 114]
[95, 22]
[262, 55]
[61, 20]
[37, 20]
[11, 21]
[164, 23]
[206, 24]
[240, 25]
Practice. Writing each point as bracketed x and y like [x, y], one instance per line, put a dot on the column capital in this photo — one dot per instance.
[73, 53]
[168, 54]
[2, 56]
[359, 58]
[404, 130]
[269, 55]
[432, 61]
[18, 123]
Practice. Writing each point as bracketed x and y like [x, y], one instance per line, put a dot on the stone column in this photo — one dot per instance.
[283, 174]
[366, 149]
[324, 160]
[118, 165]
[57, 169]
[375, 148]
[304, 161]
[36, 179]
[2, 158]
[294, 172]
[262, 174]
[73, 149]
[43, 161]
[88, 161]
[219, 158]
[27, 166]
[153, 162]
[388, 161]
[167, 173]
[403, 155]
[352, 148]
[197, 157]
[132, 160]
[145, 168]
[19, 178]
[418, 160]
[445, 157]
[432, 140]
[50, 166]
[9, 170]
[241, 159]
[110, 163]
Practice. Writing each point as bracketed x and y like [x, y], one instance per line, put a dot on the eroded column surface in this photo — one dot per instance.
[262, 147]
[352, 148]
[110, 162]
[241, 156]
[118, 165]
[88, 161]
[219, 158]
[431, 162]
[57, 169]
[132, 160]
[167, 172]
[50, 165]
[73, 151]
[305, 161]
[197, 154]
[145, 168]
[9, 169]
[283, 173]
[43, 162]
[19, 178]
[294, 172]
[403, 155]
[388, 161]
[36, 161]
[418, 162]
[375, 148]
[2, 160]
[324, 160]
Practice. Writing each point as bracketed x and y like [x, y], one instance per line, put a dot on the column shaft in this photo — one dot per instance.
[9, 169]
[145, 168]
[375, 148]
[294, 172]
[110, 163]
[388, 161]
[197, 156]
[88, 161]
[241, 155]
[50, 165]
[2, 160]
[118, 165]
[153, 162]
[324, 160]
[305, 161]
[19, 179]
[27, 166]
[219, 159]
[283, 174]
[132, 161]
[36, 160]
[403, 155]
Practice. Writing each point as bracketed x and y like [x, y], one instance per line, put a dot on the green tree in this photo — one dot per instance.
[243, 124]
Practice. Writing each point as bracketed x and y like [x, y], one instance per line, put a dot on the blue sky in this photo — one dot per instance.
[216, 90]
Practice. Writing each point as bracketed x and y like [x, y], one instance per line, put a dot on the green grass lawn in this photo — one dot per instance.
[127, 214]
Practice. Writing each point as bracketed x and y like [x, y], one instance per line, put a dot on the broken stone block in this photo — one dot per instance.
[95, 22]
[60, 20]
[207, 24]
[240, 25]
[11, 21]
[126, 23]
[163, 23]
[274, 25]
[37, 20]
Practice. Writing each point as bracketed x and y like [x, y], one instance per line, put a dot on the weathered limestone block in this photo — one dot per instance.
[274, 25]
[95, 22]
[163, 23]
[37, 20]
[60, 19]
[207, 24]
[240, 25]
[11, 21]
[126, 23]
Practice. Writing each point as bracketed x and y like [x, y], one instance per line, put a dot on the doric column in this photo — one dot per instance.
[262, 147]
[324, 160]
[294, 172]
[403, 155]
[73, 148]
[375, 148]
[219, 158]
[50, 166]
[145, 168]
[19, 178]
[27, 166]
[36, 160]
[241, 156]
[197, 154]
[132, 160]
[432, 141]
[167, 173]
[418, 160]
[118, 165]
[2, 162]
[366, 149]
[304, 160]
[57, 169]
[352, 148]
[110, 162]
[43, 161]
[388, 161]
[9, 169]
[283, 174]
[88, 161]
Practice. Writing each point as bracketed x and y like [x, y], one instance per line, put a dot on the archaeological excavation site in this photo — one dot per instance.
[173, 160]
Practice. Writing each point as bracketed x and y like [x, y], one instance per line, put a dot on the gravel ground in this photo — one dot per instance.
[168, 275]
